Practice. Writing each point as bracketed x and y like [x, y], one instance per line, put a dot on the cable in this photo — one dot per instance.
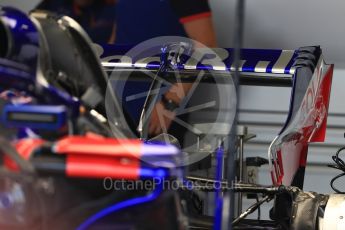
[7, 149]
[120, 206]
[259, 208]
[218, 195]
[340, 165]
[251, 209]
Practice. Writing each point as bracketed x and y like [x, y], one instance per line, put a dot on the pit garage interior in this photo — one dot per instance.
[271, 24]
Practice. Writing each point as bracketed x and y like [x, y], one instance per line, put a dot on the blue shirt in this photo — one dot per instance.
[139, 20]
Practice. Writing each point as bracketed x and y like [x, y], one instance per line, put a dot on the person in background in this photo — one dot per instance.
[134, 21]
[139, 20]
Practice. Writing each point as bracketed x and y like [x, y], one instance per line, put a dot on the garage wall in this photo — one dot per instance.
[287, 24]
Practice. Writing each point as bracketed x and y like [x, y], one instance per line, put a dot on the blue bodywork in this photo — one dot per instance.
[35, 116]
[19, 69]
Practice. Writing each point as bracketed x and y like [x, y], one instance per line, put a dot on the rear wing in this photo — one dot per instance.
[304, 70]
[258, 66]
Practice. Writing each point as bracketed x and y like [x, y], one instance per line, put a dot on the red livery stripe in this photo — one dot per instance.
[195, 17]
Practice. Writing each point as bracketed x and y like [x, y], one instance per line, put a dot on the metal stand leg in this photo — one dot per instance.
[240, 179]
[243, 136]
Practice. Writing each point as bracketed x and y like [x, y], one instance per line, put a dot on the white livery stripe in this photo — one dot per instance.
[283, 61]
[117, 64]
[292, 70]
[261, 67]
[143, 63]
[233, 67]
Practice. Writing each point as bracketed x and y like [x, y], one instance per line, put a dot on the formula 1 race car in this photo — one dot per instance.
[77, 150]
